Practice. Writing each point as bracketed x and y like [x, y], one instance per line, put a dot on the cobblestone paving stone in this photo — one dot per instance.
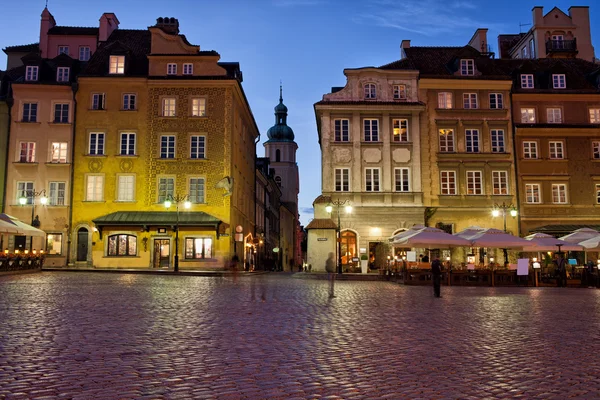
[118, 336]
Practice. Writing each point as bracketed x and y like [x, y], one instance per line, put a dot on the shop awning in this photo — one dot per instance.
[22, 228]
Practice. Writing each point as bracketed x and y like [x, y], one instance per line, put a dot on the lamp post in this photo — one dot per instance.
[187, 204]
[24, 199]
[501, 209]
[329, 209]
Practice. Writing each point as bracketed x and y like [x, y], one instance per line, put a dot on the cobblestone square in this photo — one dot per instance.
[124, 336]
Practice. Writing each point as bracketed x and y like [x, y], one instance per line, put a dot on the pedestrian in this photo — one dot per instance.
[330, 268]
[425, 258]
[436, 275]
[561, 270]
[233, 266]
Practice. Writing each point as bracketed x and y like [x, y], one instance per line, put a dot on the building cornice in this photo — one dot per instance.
[427, 83]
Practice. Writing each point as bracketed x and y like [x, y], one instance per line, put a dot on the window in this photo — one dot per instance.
[530, 150]
[527, 81]
[56, 195]
[445, 100]
[341, 130]
[500, 182]
[559, 193]
[532, 48]
[371, 130]
[372, 179]
[166, 188]
[117, 65]
[27, 154]
[31, 73]
[594, 115]
[496, 101]
[532, 193]
[98, 101]
[168, 107]
[127, 144]
[277, 155]
[95, 188]
[448, 182]
[54, 243]
[30, 112]
[400, 130]
[84, 53]
[129, 101]
[469, 100]
[342, 179]
[401, 179]
[197, 190]
[63, 50]
[171, 69]
[497, 136]
[188, 69]
[559, 81]
[528, 115]
[474, 185]
[446, 140]
[198, 147]
[557, 41]
[198, 107]
[554, 115]
[96, 144]
[167, 146]
[62, 74]
[61, 113]
[370, 91]
[126, 188]
[122, 245]
[25, 189]
[597, 193]
[198, 248]
[556, 151]
[467, 67]
[58, 152]
[472, 139]
[399, 92]
[278, 181]
[596, 150]
[524, 52]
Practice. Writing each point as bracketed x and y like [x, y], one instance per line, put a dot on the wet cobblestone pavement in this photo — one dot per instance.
[120, 336]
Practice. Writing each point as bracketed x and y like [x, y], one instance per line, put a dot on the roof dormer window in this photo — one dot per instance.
[370, 91]
[467, 67]
[527, 81]
[117, 65]
[63, 50]
[171, 69]
[31, 73]
[62, 74]
[559, 81]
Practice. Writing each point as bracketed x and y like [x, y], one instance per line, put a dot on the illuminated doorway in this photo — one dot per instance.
[349, 250]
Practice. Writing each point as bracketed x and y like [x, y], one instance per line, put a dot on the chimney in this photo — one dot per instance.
[108, 24]
[46, 24]
[538, 15]
[405, 44]
[479, 40]
[168, 25]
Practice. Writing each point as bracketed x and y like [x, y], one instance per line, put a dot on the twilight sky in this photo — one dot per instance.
[305, 43]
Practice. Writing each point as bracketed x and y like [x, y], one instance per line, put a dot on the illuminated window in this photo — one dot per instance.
[198, 248]
[445, 100]
[168, 107]
[554, 115]
[117, 65]
[54, 244]
[196, 190]
[122, 246]
[27, 152]
[94, 188]
[594, 115]
[58, 152]
[500, 182]
[528, 115]
[448, 182]
[446, 140]
[126, 188]
[474, 183]
[400, 130]
[199, 107]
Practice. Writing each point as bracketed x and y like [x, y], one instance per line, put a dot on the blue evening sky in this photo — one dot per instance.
[305, 43]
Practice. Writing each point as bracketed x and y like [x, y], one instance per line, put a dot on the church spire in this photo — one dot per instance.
[280, 132]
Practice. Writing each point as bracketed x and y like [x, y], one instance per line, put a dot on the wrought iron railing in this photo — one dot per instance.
[20, 263]
[561, 45]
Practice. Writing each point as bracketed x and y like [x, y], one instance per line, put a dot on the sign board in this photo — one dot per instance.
[354, 259]
[276, 250]
[321, 239]
[161, 230]
[411, 256]
[471, 267]
[239, 237]
[523, 266]
[239, 229]
[537, 265]
[572, 261]
[363, 250]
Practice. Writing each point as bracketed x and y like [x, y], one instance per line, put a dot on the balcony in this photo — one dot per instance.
[561, 46]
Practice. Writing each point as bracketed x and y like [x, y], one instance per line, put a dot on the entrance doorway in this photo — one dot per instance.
[349, 251]
[162, 253]
[82, 244]
[20, 243]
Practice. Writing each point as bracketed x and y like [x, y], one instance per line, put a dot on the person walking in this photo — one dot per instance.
[561, 270]
[436, 275]
[330, 268]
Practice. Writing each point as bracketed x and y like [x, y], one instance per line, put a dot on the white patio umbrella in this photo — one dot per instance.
[469, 232]
[7, 227]
[22, 227]
[498, 239]
[580, 235]
[545, 242]
[592, 244]
[432, 238]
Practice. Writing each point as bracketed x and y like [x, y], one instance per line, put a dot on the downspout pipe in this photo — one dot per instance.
[9, 102]
[515, 163]
[74, 88]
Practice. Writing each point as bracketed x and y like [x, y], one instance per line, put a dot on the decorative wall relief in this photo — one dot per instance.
[372, 156]
[401, 155]
[342, 156]
[126, 165]
[95, 165]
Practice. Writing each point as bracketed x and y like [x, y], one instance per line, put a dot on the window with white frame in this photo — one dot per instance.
[199, 107]
[342, 179]
[448, 182]
[84, 53]
[171, 69]
[371, 130]
[63, 50]
[94, 188]
[96, 144]
[166, 188]
[372, 179]
[400, 130]
[597, 193]
[497, 136]
[370, 91]
[117, 65]
[58, 152]
[62, 74]
[121, 246]
[446, 140]
[167, 146]
[197, 190]
[56, 193]
[168, 107]
[527, 81]
[25, 189]
[402, 179]
[559, 193]
[556, 150]
[474, 183]
[559, 81]
[530, 150]
[129, 101]
[341, 129]
[500, 182]
[528, 115]
[472, 139]
[30, 112]
[533, 193]
[445, 100]
[27, 152]
[469, 100]
[61, 113]
[54, 244]
[198, 147]
[496, 101]
[198, 248]
[596, 150]
[594, 115]
[554, 115]
[31, 73]
[126, 188]
[399, 92]
[127, 144]
[467, 67]
[188, 69]
[98, 101]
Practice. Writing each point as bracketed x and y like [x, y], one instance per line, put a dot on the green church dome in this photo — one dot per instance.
[280, 132]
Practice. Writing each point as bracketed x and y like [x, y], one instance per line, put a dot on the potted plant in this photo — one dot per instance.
[364, 263]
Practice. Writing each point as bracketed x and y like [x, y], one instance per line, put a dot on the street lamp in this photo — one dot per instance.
[500, 209]
[329, 209]
[170, 199]
[24, 199]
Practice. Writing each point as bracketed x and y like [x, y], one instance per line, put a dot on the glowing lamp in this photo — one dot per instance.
[495, 213]
[167, 203]
[187, 204]
[329, 209]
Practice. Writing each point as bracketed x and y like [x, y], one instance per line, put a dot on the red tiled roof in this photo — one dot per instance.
[321, 223]
[322, 200]
[24, 48]
[73, 30]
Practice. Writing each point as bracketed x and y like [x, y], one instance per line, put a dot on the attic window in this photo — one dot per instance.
[117, 65]
[559, 81]
[399, 92]
[467, 67]
[62, 74]
[370, 91]
[31, 73]
[527, 81]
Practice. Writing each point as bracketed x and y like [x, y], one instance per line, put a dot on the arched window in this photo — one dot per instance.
[278, 179]
[122, 245]
[348, 247]
[370, 91]
[277, 155]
